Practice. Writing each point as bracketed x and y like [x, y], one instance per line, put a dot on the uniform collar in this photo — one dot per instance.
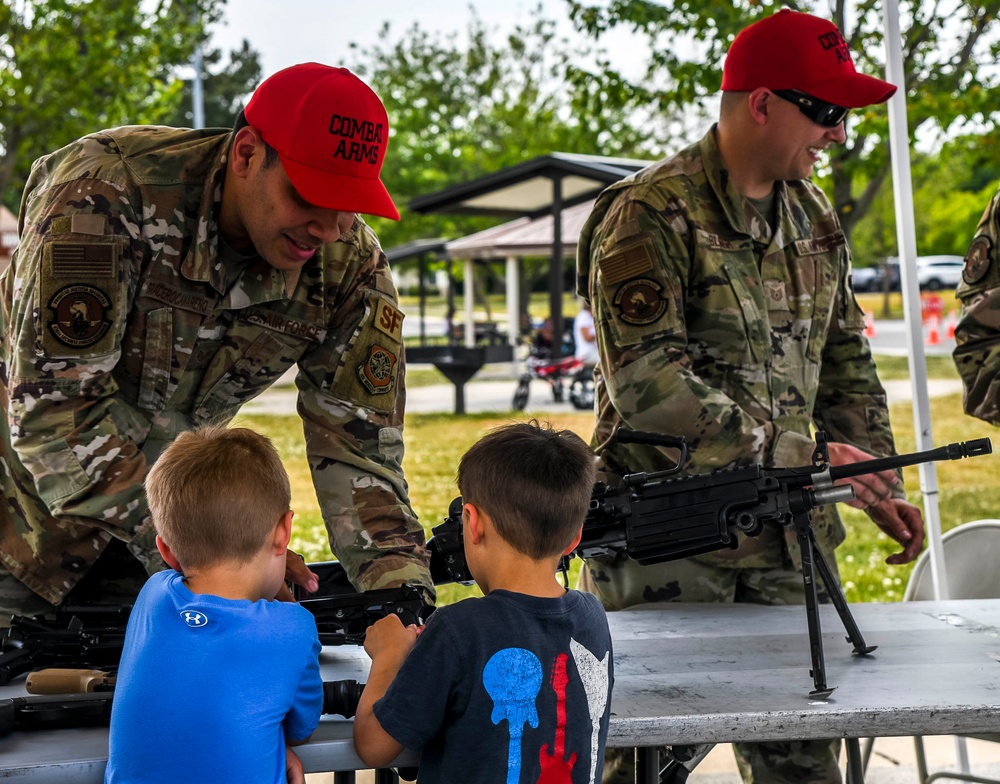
[202, 262]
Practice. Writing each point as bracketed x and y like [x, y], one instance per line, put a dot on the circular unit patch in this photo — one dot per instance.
[81, 315]
[977, 260]
[639, 301]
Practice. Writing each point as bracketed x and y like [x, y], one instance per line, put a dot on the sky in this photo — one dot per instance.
[295, 31]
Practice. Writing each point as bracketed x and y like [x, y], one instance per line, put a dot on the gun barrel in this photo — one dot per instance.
[956, 451]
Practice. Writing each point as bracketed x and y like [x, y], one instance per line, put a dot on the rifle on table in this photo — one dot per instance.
[90, 637]
[93, 709]
[656, 517]
[343, 614]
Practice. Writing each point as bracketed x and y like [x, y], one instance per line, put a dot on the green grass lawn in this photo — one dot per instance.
[435, 443]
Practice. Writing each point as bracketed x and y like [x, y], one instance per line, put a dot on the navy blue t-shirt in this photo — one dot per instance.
[506, 689]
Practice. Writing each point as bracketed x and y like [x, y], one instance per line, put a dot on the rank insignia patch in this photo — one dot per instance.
[376, 371]
[639, 301]
[977, 260]
[80, 315]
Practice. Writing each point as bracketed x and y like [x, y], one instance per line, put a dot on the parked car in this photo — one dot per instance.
[939, 272]
[933, 273]
[866, 278]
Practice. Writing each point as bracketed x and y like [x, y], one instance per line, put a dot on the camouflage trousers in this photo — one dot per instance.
[116, 578]
[625, 583]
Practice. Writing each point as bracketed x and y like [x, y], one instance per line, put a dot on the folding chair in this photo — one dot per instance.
[971, 554]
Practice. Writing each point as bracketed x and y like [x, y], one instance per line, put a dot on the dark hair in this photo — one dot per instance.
[270, 154]
[534, 483]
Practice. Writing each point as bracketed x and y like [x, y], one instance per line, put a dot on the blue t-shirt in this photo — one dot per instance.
[506, 689]
[209, 688]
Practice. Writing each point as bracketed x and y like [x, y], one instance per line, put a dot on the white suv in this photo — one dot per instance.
[939, 272]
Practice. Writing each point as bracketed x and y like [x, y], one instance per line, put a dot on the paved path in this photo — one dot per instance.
[495, 396]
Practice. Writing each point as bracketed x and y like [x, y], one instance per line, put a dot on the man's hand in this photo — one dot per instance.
[869, 489]
[903, 522]
[298, 573]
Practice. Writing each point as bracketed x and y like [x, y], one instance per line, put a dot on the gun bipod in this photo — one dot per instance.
[812, 554]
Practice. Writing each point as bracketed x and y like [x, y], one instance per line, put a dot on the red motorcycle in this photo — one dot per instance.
[557, 373]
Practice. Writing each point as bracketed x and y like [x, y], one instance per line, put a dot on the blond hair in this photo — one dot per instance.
[215, 495]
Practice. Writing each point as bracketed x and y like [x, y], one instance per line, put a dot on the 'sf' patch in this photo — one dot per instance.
[389, 320]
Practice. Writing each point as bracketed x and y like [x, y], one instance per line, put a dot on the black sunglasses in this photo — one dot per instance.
[829, 115]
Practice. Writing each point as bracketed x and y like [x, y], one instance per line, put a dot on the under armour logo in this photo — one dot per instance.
[193, 618]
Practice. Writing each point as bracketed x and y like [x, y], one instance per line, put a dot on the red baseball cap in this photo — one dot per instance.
[331, 131]
[790, 50]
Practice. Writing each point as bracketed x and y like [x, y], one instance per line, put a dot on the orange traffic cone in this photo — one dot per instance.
[869, 325]
[950, 325]
[933, 331]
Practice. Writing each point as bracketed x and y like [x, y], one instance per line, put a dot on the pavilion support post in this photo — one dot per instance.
[469, 294]
[556, 268]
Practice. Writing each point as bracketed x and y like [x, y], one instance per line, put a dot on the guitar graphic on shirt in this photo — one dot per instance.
[512, 677]
[556, 768]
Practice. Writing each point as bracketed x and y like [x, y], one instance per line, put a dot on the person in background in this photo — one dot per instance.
[523, 675]
[720, 285]
[166, 276]
[584, 336]
[216, 677]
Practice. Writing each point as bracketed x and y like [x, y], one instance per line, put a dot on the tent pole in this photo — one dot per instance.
[899, 147]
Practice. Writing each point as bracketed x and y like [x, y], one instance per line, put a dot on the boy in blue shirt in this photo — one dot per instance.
[216, 677]
[515, 686]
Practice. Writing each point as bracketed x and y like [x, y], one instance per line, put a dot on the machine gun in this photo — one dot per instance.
[89, 637]
[656, 517]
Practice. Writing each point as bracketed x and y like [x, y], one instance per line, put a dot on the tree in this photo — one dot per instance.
[951, 188]
[460, 112]
[949, 50]
[69, 67]
[224, 88]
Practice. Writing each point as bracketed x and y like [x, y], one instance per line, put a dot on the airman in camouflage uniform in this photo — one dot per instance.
[167, 276]
[720, 285]
[977, 335]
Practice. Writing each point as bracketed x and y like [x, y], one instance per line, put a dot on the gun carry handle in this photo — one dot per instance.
[625, 436]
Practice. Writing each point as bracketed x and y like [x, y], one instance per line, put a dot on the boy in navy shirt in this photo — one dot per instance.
[514, 686]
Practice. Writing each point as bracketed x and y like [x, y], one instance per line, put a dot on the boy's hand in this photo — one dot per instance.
[388, 636]
[294, 772]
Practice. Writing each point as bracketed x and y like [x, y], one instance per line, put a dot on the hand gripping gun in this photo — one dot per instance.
[655, 517]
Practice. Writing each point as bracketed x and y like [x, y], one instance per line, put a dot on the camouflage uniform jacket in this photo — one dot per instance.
[977, 335]
[714, 327]
[123, 326]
